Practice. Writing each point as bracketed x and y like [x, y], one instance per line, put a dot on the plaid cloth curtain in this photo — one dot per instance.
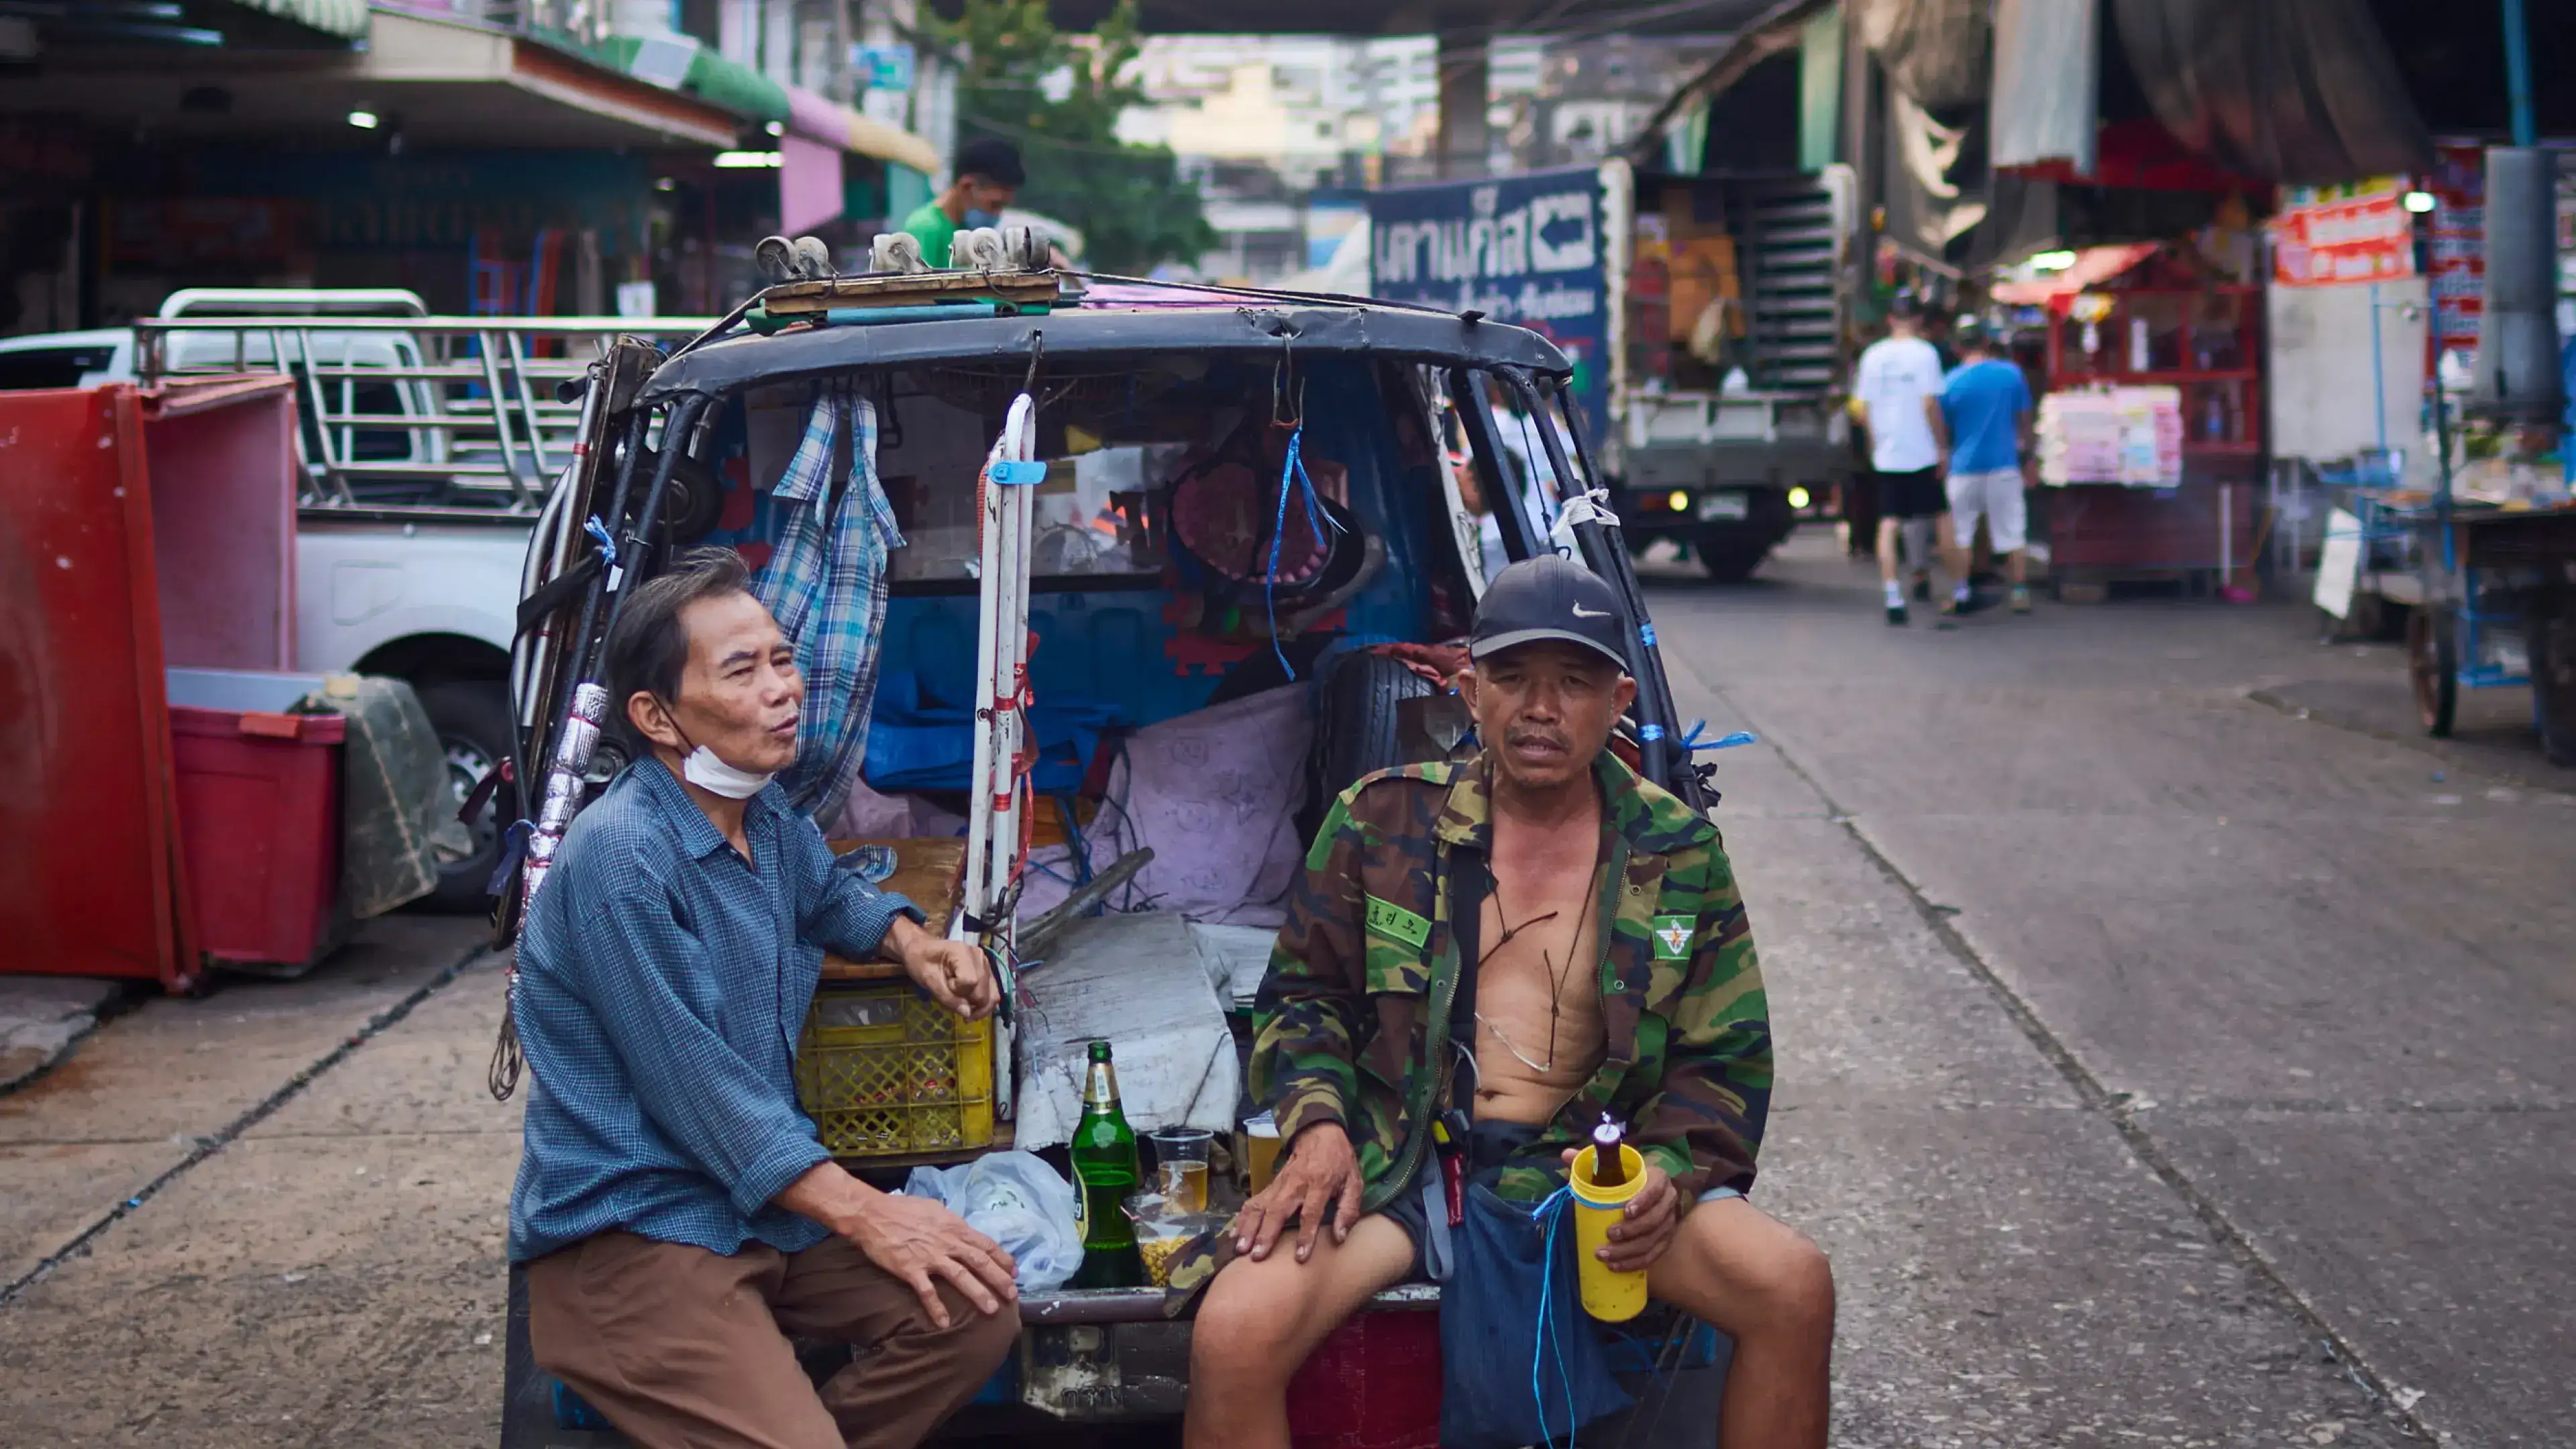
[826, 586]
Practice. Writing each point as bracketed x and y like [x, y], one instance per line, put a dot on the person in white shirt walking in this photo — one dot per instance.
[1899, 395]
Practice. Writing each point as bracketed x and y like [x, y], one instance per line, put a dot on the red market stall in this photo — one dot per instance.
[2152, 431]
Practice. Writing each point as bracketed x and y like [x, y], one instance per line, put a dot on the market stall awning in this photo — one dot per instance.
[541, 70]
[815, 130]
[434, 81]
[818, 131]
[746, 92]
[2093, 266]
[2299, 91]
[894, 144]
[708, 75]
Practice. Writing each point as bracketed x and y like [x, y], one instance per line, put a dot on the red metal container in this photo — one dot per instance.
[259, 828]
[98, 547]
[1373, 1383]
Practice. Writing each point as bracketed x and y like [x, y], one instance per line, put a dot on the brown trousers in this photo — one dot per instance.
[686, 1349]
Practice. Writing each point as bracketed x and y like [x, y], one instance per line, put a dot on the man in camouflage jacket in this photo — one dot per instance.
[1689, 1064]
[1354, 1032]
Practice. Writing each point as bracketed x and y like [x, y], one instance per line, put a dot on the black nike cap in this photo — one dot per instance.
[1549, 598]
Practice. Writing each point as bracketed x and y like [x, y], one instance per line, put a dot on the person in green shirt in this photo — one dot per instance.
[988, 176]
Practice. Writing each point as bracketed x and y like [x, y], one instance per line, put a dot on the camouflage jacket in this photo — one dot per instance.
[1366, 970]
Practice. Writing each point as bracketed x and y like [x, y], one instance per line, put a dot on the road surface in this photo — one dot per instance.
[2160, 1067]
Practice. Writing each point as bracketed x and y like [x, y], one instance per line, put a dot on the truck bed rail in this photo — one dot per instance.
[451, 419]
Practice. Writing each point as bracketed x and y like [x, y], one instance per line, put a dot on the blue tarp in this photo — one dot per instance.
[917, 743]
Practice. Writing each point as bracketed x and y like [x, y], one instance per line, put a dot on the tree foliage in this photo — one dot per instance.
[1128, 201]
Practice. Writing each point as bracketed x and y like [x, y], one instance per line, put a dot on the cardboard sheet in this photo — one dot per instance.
[1135, 981]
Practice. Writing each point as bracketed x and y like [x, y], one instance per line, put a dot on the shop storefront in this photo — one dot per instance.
[492, 170]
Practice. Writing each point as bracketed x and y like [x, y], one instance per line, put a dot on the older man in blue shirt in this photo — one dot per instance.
[677, 1216]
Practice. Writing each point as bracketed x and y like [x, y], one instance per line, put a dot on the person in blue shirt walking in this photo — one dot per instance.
[1985, 422]
[677, 1216]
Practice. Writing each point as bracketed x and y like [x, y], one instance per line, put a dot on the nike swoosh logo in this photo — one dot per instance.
[1581, 612]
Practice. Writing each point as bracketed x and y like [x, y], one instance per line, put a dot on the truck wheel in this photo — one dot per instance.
[2433, 667]
[2552, 640]
[472, 717]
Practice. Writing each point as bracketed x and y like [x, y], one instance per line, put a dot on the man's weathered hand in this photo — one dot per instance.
[915, 1239]
[922, 1242]
[1648, 1223]
[955, 973]
[1317, 1169]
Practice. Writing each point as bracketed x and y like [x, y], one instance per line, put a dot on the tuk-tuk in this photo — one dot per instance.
[1123, 511]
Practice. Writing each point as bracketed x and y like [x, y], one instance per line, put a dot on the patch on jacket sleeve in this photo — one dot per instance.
[1672, 936]
[1386, 918]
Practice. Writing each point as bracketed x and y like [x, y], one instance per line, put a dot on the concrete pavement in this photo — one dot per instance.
[2146, 1052]
[41, 1016]
[2314, 989]
[272, 1215]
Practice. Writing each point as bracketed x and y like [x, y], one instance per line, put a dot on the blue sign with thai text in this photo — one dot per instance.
[1531, 250]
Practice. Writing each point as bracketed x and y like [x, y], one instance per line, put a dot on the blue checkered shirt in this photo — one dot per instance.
[662, 983]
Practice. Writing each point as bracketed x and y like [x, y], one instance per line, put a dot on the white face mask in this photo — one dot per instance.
[714, 776]
[703, 768]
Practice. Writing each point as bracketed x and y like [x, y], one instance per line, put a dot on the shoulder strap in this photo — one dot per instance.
[1470, 881]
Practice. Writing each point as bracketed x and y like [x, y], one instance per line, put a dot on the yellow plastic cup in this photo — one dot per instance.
[1609, 1295]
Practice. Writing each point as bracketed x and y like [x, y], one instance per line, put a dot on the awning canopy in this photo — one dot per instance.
[818, 130]
[819, 118]
[746, 92]
[2296, 91]
[2299, 91]
[814, 130]
[2093, 266]
[436, 82]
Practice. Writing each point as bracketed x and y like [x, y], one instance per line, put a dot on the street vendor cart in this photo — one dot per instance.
[1171, 560]
[2497, 609]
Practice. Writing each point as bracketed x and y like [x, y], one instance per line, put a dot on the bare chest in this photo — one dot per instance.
[1539, 1032]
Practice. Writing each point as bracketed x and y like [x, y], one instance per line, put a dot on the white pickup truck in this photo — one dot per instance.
[429, 445]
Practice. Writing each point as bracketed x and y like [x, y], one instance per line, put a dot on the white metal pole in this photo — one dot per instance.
[992, 837]
[979, 804]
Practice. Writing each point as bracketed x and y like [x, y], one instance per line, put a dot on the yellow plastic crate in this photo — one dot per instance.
[885, 1071]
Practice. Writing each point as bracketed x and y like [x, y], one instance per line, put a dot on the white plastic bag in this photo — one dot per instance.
[1018, 1201]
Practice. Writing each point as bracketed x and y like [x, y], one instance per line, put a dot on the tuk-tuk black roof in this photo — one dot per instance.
[1252, 326]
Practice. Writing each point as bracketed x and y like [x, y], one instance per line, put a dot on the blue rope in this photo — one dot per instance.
[1064, 805]
[1694, 742]
[1295, 469]
[607, 545]
[1552, 1210]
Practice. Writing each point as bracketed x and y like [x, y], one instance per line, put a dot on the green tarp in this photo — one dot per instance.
[712, 78]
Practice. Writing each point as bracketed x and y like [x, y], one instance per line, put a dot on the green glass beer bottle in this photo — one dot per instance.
[1105, 1171]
